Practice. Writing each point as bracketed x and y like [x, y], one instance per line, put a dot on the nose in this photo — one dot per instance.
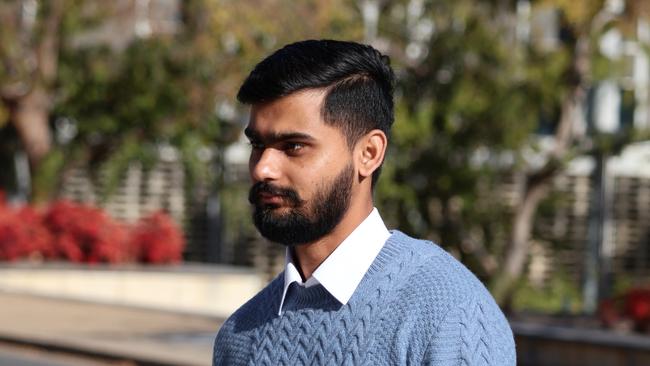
[264, 165]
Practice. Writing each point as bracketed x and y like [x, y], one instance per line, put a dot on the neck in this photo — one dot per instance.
[309, 256]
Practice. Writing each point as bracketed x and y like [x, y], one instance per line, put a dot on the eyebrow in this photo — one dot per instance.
[276, 136]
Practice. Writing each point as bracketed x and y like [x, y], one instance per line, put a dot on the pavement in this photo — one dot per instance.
[136, 335]
[78, 333]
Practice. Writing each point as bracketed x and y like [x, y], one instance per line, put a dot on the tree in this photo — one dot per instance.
[474, 93]
[29, 50]
[122, 103]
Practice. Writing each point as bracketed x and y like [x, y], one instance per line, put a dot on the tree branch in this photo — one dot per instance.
[47, 51]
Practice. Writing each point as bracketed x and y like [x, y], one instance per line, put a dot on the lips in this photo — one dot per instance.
[270, 199]
[266, 194]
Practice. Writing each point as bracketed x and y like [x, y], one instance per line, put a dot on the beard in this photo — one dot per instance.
[305, 222]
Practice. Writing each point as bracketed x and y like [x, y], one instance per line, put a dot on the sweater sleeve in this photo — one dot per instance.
[475, 333]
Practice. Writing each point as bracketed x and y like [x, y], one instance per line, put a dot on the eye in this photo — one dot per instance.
[293, 147]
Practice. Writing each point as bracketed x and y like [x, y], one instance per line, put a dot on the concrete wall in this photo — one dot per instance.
[207, 290]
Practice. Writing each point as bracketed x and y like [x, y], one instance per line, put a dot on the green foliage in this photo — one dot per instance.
[463, 108]
[48, 175]
[148, 91]
[469, 106]
[559, 295]
[160, 90]
[166, 89]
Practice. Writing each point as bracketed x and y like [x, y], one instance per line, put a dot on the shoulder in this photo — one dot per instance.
[262, 305]
[448, 299]
[435, 273]
[250, 316]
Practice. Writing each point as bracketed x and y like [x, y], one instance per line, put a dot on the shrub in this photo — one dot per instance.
[23, 234]
[157, 239]
[85, 234]
[637, 307]
[632, 306]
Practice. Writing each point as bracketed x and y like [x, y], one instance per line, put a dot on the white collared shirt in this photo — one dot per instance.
[342, 271]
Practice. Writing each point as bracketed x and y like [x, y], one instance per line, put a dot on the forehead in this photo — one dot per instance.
[297, 112]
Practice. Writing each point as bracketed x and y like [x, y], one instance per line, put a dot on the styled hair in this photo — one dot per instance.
[357, 79]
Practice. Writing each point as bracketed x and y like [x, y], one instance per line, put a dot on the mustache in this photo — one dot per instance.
[264, 187]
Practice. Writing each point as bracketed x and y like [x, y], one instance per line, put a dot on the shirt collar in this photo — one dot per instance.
[342, 271]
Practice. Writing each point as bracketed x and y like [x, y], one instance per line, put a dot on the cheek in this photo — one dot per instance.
[307, 180]
[308, 175]
[315, 174]
[316, 180]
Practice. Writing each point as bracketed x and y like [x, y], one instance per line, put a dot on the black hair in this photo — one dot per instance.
[358, 79]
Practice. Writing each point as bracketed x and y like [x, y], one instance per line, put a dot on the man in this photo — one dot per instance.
[352, 293]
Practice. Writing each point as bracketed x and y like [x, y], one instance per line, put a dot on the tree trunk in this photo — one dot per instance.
[537, 183]
[29, 110]
[29, 115]
[506, 278]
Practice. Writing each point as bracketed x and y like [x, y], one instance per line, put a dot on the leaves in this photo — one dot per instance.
[469, 107]
[80, 233]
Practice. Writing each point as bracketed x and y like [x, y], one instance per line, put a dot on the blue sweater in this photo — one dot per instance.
[415, 305]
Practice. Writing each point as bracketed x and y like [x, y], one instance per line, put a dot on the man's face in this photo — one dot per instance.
[301, 169]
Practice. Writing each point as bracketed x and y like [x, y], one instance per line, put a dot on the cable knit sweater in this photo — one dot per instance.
[415, 305]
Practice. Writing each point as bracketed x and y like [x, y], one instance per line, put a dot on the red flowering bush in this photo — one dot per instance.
[81, 233]
[23, 234]
[633, 306]
[157, 239]
[637, 307]
[86, 234]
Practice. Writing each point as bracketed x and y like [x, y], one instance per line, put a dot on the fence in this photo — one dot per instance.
[566, 226]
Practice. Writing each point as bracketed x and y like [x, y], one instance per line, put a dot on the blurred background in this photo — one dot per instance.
[521, 145]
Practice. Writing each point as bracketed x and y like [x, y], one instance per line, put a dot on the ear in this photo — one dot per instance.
[370, 151]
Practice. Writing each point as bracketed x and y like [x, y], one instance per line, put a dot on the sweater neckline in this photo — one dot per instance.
[394, 247]
[300, 296]
[318, 296]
